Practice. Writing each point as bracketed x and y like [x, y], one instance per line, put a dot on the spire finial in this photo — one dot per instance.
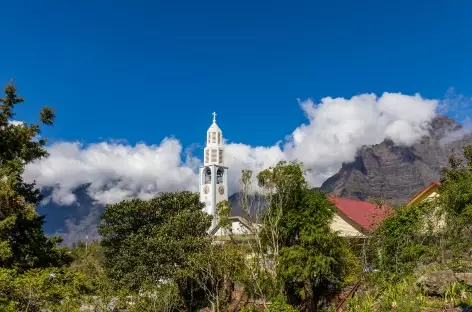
[214, 117]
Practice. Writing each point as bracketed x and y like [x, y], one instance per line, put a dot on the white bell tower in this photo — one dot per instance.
[213, 173]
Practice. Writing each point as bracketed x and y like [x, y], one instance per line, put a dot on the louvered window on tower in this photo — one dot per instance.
[221, 156]
[207, 175]
[219, 138]
[207, 156]
[213, 137]
[214, 155]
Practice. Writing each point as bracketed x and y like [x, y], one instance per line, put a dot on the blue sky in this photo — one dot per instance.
[143, 70]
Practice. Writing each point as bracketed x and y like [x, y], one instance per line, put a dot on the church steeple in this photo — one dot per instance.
[214, 145]
[213, 173]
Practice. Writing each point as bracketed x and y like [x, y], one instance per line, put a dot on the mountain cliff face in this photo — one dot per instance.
[395, 173]
[78, 221]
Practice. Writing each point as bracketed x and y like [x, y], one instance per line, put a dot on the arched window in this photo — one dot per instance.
[207, 176]
[219, 176]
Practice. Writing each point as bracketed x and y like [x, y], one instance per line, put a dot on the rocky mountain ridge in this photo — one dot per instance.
[395, 173]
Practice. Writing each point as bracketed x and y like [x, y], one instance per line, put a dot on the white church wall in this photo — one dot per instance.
[237, 229]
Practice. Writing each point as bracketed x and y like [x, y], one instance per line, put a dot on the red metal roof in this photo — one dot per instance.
[362, 215]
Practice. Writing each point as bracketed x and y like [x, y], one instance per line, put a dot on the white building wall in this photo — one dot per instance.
[237, 229]
[344, 228]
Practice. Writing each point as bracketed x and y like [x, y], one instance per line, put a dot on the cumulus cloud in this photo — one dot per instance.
[335, 129]
[338, 127]
[114, 171]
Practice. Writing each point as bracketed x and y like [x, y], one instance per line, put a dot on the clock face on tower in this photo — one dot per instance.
[206, 189]
[221, 189]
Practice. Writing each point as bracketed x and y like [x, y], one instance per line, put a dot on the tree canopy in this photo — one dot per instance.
[151, 241]
[23, 244]
[311, 261]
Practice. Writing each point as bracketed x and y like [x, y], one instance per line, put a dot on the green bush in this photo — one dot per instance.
[279, 306]
[55, 289]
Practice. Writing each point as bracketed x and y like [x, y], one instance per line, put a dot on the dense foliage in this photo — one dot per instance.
[311, 263]
[158, 255]
[305, 262]
[23, 244]
[32, 272]
[151, 242]
[433, 235]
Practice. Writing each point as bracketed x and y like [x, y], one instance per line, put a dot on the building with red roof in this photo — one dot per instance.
[355, 217]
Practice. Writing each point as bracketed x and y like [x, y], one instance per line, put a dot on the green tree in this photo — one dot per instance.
[311, 260]
[295, 256]
[455, 200]
[215, 270]
[456, 188]
[23, 244]
[399, 243]
[148, 243]
[50, 289]
[88, 261]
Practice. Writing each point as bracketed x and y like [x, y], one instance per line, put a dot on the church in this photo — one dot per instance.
[213, 184]
[353, 218]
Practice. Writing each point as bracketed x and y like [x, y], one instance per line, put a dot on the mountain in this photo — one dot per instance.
[395, 173]
[256, 204]
[75, 222]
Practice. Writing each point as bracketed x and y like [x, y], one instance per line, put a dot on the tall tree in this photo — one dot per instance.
[301, 258]
[310, 259]
[19, 145]
[148, 243]
[22, 240]
[215, 270]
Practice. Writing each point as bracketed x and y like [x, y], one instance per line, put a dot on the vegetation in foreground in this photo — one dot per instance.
[156, 255]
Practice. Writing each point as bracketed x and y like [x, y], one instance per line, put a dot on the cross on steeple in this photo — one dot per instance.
[214, 117]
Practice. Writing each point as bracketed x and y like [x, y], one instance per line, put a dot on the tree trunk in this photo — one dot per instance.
[310, 303]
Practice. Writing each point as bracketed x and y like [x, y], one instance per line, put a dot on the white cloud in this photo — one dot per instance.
[458, 134]
[336, 128]
[115, 171]
[16, 122]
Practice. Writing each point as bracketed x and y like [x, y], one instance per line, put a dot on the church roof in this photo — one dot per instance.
[214, 126]
[363, 216]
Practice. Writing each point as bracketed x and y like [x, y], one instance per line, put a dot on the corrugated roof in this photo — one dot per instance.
[363, 216]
